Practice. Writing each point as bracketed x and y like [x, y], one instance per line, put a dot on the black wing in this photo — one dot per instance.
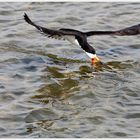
[57, 34]
[133, 30]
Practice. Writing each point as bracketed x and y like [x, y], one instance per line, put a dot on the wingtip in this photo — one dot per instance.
[26, 18]
[25, 15]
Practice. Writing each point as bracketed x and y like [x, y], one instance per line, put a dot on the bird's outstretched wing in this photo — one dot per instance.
[57, 34]
[133, 30]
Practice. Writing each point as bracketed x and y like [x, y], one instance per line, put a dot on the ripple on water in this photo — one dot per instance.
[50, 90]
[41, 114]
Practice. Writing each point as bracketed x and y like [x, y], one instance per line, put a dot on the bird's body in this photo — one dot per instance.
[80, 38]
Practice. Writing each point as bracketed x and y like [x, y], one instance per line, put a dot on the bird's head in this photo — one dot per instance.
[95, 60]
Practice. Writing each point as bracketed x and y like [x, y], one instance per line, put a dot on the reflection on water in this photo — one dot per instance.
[49, 88]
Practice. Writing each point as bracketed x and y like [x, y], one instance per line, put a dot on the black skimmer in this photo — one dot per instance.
[80, 38]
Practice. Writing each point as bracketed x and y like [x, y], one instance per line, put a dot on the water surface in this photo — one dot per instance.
[48, 87]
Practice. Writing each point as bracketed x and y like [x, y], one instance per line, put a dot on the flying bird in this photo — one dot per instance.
[80, 38]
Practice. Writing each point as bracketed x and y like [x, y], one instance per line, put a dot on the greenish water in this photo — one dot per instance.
[48, 87]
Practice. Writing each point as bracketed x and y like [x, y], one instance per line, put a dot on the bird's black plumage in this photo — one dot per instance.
[62, 33]
[133, 30]
[81, 37]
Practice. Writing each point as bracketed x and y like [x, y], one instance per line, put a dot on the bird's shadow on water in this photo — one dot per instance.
[63, 79]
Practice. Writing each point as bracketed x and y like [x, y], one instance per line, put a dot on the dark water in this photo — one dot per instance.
[48, 88]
